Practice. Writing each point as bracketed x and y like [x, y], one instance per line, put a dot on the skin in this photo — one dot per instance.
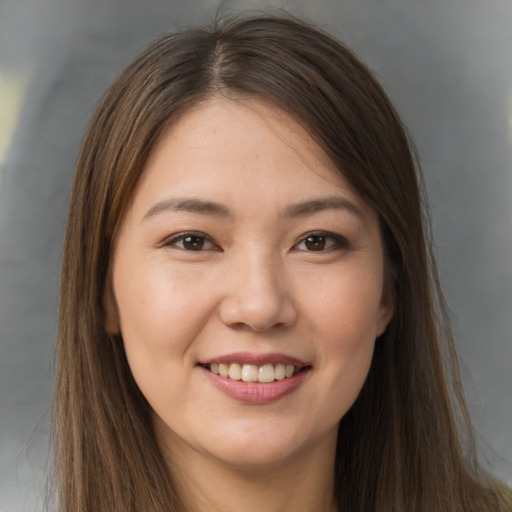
[255, 286]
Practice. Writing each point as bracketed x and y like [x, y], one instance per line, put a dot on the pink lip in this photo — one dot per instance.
[256, 393]
[256, 359]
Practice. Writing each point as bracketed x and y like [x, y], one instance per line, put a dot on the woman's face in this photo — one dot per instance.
[245, 253]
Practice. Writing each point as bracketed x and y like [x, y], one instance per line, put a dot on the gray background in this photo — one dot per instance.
[447, 64]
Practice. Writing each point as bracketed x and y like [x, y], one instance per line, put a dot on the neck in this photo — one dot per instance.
[304, 483]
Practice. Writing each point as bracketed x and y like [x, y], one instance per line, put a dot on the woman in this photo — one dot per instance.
[250, 313]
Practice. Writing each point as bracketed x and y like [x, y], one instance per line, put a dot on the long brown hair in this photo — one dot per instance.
[406, 444]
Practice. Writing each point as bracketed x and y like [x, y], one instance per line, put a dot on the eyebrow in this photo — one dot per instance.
[188, 205]
[204, 207]
[317, 205]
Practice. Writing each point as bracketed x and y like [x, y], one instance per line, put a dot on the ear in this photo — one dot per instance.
[387, 308]
[112, 325]
[385, 315]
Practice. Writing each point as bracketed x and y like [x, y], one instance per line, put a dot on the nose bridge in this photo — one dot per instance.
[259, 294]
[260, 273]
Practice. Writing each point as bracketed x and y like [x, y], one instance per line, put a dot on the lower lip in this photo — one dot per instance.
[257, 393]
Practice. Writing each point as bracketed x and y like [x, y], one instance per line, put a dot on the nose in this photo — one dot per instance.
[257, 295]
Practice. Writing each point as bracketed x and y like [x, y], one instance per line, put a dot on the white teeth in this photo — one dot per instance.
[235, 371]
[224, 369]
[250, 373]
[266, 373]
[280, 371]
[253, 373]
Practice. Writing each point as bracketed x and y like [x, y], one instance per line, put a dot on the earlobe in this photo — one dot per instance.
[387, 302]
[110, 308]
[387, 310]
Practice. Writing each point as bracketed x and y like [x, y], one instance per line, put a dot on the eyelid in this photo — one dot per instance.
[173, 240]
[340, 242]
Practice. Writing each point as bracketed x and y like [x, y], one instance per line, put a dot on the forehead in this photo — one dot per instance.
[247, 153]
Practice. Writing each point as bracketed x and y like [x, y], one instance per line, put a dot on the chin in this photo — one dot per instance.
[267, 447]
[258, 457]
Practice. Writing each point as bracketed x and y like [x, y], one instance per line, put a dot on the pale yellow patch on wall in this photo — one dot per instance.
[13, 87]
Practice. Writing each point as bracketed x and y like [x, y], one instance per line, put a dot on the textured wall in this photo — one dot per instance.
[447, 64]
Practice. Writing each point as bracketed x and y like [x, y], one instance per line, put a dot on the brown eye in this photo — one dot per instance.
[193, 243]
[315, 243]
[322, 242]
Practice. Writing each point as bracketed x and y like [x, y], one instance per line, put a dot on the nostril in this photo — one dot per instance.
[258, 313]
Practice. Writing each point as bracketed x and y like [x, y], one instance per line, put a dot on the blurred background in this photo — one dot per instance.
[447, 65]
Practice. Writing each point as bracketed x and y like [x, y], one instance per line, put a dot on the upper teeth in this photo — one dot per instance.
[253, 373]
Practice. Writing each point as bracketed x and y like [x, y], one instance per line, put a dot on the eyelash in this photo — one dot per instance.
[336, 241]
[175, 240]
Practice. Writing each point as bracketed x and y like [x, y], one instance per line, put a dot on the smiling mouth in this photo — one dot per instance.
[265, 373]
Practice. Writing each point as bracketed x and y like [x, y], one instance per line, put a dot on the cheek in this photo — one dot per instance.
[347, 308]
[345, 328]
[156, 307]
[159, 319]
[160, 316]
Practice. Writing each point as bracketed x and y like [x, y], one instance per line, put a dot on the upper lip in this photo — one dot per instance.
[256, 359]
